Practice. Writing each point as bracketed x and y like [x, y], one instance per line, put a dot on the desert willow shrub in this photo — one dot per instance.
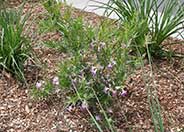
[160, 20]
[100, 70]
[98, 63]
[14, 46]
[95, 77]
[95, 73]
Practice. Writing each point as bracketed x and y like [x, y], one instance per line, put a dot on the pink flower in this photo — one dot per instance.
[39, 84]
[98, 118]
[55, 80]
[114, 93]
[123, 93]
[106, 90]
[84, 105]
[93, 70]
[70, 108]
[111, 65]
[109, 110]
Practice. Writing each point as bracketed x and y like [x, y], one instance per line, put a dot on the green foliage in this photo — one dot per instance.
[44, 90]
[133, 34]
[100, 62]
[165, 23]
[14, 47]
[103, 66]
[53, 16]
[75, 34]
[153, 100]
[158, 23]
[101, 59]
[97, 75]
[53, 8]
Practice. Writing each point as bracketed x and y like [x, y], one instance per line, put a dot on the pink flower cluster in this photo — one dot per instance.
[114, 93]
[40, 84]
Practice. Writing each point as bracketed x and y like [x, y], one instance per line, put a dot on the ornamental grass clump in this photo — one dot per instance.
[14, 46]
[160, 20]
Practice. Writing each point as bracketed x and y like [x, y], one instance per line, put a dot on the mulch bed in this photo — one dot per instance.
[19, 112]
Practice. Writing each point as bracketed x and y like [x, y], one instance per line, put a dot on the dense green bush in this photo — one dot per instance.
[99, 70]
[14, 46]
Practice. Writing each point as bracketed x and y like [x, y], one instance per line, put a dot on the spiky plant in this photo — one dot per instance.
[14, 46]
[161, 19]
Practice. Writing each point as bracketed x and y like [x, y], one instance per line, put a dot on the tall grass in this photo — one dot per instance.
[155, 108]
[152, 97]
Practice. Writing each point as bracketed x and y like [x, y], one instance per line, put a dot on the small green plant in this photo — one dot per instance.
[42, 89]
[159, 23]
[75, 34]
[14, 46]
[53, 16]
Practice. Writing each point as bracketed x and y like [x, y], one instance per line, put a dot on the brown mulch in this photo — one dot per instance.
[169, 86]
[19, 112]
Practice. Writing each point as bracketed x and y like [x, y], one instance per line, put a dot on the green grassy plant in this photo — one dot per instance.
[14, 46]
[152, 97]
[155, 108]
[159, 23]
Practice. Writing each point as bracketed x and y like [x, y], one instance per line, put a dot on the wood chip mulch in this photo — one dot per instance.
[19, 112]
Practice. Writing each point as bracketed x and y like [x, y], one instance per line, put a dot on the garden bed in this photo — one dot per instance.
[21, 113]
